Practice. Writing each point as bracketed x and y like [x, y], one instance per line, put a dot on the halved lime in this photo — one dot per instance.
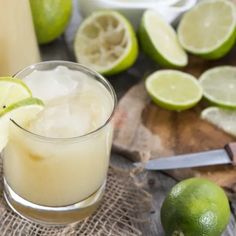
[21, 112]
[159, 40]
[209, 29]
[219, 85]
[221, 118]
[106, 42]
[174, 90]
[11, 91]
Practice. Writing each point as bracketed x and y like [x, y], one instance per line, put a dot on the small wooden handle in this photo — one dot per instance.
[231, 150]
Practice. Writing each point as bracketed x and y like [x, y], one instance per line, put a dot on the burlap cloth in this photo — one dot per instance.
[117, 215]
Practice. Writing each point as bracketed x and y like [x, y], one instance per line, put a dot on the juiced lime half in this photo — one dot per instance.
[174, 90]
[219, 85]
[224, 119]
[106, 42]
[209, 29]
[21, 112]
[159, 40]
[11, 91]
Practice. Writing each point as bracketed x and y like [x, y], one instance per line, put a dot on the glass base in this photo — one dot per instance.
[53, 215]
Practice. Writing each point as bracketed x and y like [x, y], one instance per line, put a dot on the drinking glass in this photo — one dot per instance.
[57, 180]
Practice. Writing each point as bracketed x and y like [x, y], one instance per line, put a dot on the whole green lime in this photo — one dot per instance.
[195, 207]
[50, 18]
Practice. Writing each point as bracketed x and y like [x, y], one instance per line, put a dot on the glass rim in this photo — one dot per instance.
[84, 69]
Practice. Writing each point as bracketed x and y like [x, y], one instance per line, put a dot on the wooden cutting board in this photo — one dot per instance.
[143, 130]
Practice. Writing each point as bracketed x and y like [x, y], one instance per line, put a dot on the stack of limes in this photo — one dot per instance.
[16, 103]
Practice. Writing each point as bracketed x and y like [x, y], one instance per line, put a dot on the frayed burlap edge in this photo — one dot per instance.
[123, 205]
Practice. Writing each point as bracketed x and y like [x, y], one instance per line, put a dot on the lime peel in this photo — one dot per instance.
[25, 102]
[16, 81]
[20, 112]
[12, 90]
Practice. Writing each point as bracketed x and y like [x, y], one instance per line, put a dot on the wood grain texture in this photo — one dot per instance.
[144, 130]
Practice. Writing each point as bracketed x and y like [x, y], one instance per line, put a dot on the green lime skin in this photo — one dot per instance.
[219, 52]
[50, 18]
[22, 103]
[130, 58]
[222, 50]
[150, 50]
[195, 207]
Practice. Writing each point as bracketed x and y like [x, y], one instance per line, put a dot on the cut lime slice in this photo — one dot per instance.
[11, 91]
[106, 42]
[174, 90]
[209, 29]
[21, 112]
[159, 40]
[219, 85]
[224, 119]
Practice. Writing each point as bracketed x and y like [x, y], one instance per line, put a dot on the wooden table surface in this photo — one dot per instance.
[157, 183]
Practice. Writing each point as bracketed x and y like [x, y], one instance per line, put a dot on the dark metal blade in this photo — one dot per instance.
[215, 157]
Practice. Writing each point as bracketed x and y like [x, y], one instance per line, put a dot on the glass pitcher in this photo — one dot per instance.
[18, 44]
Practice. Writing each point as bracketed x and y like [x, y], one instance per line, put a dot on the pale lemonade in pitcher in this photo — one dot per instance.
[61, 158]
[18, 43]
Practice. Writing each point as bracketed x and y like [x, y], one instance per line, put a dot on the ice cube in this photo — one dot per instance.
[75, 103]
[51, 84]
[62, 121]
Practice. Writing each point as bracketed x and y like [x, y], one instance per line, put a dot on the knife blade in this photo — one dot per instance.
[227, 155]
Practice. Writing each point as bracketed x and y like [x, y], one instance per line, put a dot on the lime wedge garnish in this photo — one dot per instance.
[21, 112]
[12, 90]
[159, 40]
[219, 85]
[106, 42]
[209, 29]
[174, 90]
[222, 118]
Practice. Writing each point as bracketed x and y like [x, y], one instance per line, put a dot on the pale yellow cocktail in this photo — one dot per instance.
[60, 159]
